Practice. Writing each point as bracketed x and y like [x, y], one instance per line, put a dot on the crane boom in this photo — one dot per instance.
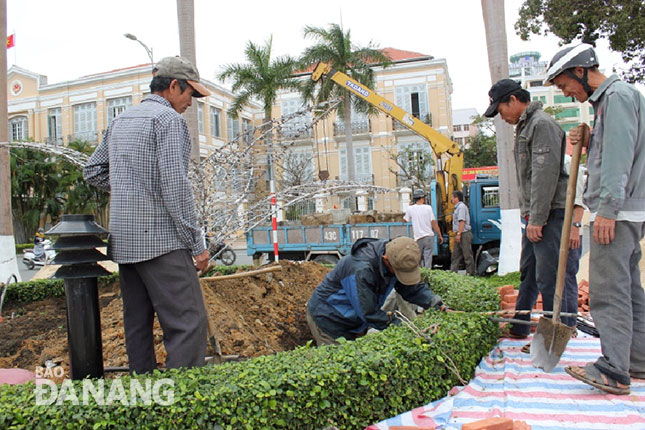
[448, 178]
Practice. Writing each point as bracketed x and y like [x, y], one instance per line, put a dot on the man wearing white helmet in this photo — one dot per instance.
[615, 196]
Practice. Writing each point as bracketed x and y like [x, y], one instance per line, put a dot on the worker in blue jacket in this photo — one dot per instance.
[348, 301]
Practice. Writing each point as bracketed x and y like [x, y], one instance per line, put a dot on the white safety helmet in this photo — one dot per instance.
[563, 61]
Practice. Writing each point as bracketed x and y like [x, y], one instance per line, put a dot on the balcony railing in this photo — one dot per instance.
[89, 136]
[358, 127]
[296, 131]
[366, 178]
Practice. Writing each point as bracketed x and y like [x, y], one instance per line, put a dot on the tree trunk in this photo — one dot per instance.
[509, 259]
[8, 263]
[349, 147]
[186, 19]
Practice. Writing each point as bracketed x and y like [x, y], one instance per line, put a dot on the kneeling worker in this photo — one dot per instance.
[348, 301]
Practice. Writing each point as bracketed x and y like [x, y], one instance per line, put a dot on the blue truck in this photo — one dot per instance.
[329, 243]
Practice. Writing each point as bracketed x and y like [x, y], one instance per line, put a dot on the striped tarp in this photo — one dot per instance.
[507, 385]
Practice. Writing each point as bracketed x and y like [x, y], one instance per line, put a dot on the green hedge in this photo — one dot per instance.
[512, 278]
[462, 292]
[39, 289]
[350, 385]
[20, 247]
[31, 291]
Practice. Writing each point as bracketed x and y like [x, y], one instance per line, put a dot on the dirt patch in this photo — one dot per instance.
[253, 316]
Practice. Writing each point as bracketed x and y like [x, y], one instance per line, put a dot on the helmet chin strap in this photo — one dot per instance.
[584, 81]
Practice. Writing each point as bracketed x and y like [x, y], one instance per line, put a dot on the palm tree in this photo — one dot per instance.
[260, 78]
[334, 46]
[186, 23]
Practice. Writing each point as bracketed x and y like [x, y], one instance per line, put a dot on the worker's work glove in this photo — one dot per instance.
[437, 303]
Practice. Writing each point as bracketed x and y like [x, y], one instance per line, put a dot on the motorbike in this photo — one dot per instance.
[223, 252]
[29, 258]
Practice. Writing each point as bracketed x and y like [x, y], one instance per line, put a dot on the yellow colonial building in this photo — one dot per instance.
[58, 113]
[82, 108]
[418, 83]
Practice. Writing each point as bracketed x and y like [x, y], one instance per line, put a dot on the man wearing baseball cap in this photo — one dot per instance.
[349, 300]
[154, 234]
[539, 150]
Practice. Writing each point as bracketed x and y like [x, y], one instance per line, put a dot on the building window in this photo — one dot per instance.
[591, 112]
[567, 127]
[466, 127]
[54, 126]
[116, 106]
[415, 162]
[362, 164]
[559, 98]
[414, 99]
[568, 113]
[200, 118]
[456, 128]
[18, 129]
[215, 115]
[247, 130]
[299, 125]
[232, 127]
[85, 122]
[535, 84]
[541, 99]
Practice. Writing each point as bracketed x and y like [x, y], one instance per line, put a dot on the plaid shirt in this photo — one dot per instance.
[143, 162]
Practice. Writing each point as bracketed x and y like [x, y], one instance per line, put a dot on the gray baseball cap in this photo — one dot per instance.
[180, 68]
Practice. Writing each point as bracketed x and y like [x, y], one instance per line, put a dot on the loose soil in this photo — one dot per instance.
[255, 315]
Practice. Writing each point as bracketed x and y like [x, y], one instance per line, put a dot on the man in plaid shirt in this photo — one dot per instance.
[154, 235]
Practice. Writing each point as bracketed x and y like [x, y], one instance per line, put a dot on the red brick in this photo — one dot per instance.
[504, 290]
[521, 425]
[489, 424]
[507, 305]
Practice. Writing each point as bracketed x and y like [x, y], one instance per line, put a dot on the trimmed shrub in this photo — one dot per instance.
[31, 291]
[350, 385]
[459, 292]
[508, 279]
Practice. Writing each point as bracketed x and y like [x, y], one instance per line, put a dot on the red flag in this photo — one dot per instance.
[10, 41]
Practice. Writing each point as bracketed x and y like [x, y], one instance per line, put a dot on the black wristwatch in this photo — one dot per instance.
[577, 224]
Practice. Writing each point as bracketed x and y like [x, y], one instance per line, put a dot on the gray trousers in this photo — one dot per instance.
[617, 302]
[167, 285]
[463, 251]
[426, 245]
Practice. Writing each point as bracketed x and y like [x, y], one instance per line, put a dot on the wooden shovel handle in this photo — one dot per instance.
[568, 218]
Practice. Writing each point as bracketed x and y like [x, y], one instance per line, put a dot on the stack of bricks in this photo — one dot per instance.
[583, 296]
[508, 297]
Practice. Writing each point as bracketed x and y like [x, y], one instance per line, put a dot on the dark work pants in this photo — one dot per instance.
[539, 269]
[570, 296]
[167, 285]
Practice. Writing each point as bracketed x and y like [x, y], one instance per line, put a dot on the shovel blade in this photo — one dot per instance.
[549, 342]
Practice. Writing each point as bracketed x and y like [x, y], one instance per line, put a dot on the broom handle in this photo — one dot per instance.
[566, 229]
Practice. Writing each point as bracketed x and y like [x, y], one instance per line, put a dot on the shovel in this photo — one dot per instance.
[551, 337]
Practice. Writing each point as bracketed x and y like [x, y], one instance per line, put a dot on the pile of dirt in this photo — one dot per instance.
[253, 316]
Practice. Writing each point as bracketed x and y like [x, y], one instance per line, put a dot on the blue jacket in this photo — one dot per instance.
[349, 300]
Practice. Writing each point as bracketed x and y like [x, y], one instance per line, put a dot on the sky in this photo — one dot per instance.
[67, 39]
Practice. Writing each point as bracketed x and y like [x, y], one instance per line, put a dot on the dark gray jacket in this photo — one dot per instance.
[349, 299]
[540, 145]
[616, 160]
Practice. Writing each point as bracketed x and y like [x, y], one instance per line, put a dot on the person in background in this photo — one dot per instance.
[348, 302]
[615, 196]
[423, 223]
[462, 248]
[39, 248]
